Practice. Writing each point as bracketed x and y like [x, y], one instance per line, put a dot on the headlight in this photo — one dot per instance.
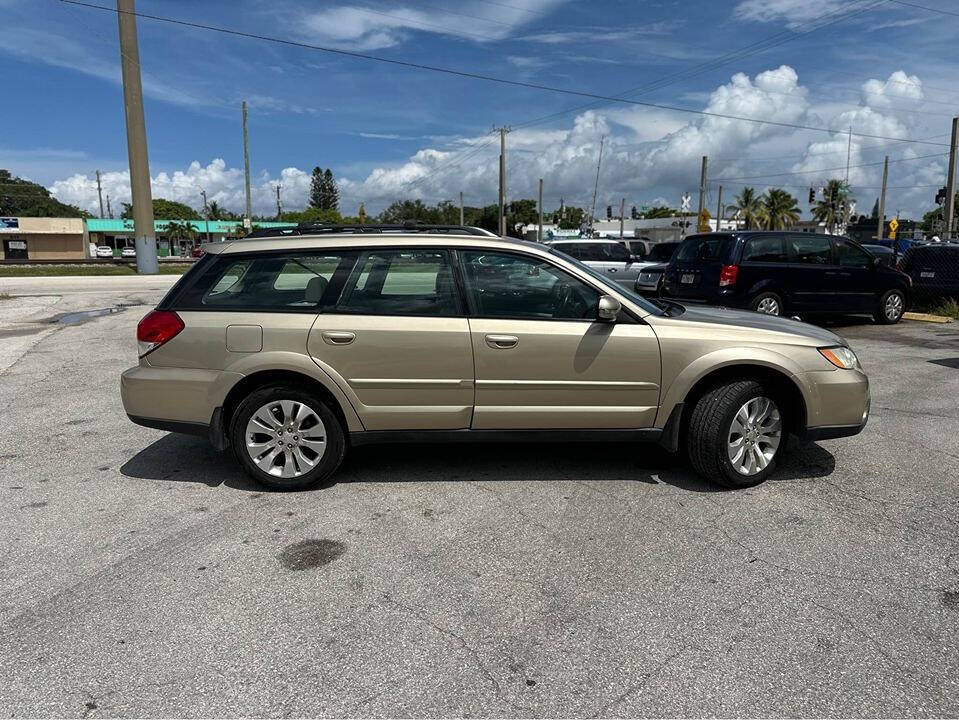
[842, 357]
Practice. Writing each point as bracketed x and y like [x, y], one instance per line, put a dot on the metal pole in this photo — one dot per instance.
[246, 165]
[141, 195]
[461, 208]
[719, 210]
[702, 192]
[622, 216]
[539, 230]
[881, 217]
[599, 164]
[100, 193]
[949, 210]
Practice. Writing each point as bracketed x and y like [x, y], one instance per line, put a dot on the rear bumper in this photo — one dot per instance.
[183, 397]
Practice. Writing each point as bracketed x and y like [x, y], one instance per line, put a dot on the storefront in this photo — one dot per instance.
[174, 237]
[30, 238]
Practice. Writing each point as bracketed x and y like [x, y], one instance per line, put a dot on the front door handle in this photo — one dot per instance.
[502, 342]
[338, 338]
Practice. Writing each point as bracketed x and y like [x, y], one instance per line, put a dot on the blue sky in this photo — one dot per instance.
[391, 133]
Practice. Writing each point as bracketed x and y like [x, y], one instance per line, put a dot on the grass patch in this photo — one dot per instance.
[85, 270]
[5, 296]
[947, 307]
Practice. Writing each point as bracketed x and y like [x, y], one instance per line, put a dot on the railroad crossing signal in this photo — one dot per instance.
[686, 201]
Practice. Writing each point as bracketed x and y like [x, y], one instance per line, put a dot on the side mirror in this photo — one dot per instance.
[608, 309]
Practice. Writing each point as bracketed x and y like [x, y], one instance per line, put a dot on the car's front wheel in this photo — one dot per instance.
[891, 307]
[736, 433]
[287, 438]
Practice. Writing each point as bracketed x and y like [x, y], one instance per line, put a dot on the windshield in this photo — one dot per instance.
[644, 303]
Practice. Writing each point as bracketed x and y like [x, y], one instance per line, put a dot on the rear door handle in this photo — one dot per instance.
[331, 337]
[502, 342]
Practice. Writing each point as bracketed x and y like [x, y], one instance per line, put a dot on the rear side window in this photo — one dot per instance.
[765, 249]
[582, 251]
[811, 249]
[401, 282]
[289, 281]
[704, 247]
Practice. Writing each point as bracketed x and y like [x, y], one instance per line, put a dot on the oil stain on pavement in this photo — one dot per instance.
[308, 554]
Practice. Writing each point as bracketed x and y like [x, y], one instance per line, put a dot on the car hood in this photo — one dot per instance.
[746, 319]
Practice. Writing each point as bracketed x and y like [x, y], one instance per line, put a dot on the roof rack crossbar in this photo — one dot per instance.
[314, 228]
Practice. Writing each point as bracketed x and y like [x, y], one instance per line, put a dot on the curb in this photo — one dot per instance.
[926, 317]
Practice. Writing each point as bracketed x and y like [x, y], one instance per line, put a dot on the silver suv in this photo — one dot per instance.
[293, 347]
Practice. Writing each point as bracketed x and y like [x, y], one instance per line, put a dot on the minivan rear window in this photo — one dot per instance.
[704, 247]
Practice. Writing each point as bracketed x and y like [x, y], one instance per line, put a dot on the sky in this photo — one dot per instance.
[390, 132]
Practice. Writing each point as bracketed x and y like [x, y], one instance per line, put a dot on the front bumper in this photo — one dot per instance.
[840, 405]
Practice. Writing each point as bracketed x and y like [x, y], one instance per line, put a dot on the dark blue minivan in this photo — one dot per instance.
[786, 273]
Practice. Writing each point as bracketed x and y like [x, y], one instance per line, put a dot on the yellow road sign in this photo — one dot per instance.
[893, 225]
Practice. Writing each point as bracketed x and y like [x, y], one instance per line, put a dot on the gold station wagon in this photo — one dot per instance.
[292, 346]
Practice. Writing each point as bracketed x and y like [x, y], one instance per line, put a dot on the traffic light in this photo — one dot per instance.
[941, 196]
[609, 212]
[812, 196]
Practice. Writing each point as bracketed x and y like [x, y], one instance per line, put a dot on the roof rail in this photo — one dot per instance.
[313, 228]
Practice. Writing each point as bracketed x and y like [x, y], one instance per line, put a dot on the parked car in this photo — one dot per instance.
[934, 269]
[650, 280]
[293, 349]
[610, 257]
[197, 252]
[104, 251]
[786, 273]
[128, 252]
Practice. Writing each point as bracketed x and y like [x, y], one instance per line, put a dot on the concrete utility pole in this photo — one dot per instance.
[109, 209]
[141, 195]
[461, 208]
[949, 210]
[622, 216]
[246, 165]
[880, 228]
[719, 210]
[279, 205]
[206, 213]
[100, 193]
[702, 192]
[502, 179]
[539, 230]
[599, 164]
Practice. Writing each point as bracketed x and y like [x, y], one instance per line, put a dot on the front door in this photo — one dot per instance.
[542, 359]
[398, 342]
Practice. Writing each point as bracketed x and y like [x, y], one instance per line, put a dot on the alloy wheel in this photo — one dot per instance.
[754, 436]
[769, 306]
[893, 307]
[285, 438]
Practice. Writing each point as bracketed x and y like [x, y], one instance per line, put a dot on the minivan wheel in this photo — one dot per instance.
[767, 303]
[891, 307]
[287, 438]
[736, 434]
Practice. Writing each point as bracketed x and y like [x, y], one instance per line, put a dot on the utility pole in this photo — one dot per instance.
[141, 194]
[206, 214]
[100, 193]
[881, 217]
[949, 210]
[461, 209]
[109, 209]
[599, 164]
[719, 210]
[246, 164]
[702, 192]
[622, 216]
[279, 205]
[848, 153]
[539, 230]
[502, 179]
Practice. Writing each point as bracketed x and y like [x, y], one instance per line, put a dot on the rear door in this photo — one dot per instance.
[813, 274]
[397, 341]
[764, 265]
[617, 262]
[694, 269]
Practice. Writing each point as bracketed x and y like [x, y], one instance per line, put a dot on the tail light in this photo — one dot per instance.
[728, 275]
[157, 328]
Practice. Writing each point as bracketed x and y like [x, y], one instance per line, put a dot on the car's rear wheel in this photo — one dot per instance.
[736, 434]
[287, 438]
[768, 303]
[891, 307]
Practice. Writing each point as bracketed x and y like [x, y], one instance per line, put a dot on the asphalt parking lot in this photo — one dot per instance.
[143, 575]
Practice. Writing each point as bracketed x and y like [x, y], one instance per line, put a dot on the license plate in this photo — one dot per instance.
[687, 279]
[927, 274]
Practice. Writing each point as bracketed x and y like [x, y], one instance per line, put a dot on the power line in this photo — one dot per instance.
[835, 169]
[923, 7]
[487, 78]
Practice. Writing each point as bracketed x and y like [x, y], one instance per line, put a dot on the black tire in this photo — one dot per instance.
[893, 313]
[326, 464]
[768, 297]
[708, 433]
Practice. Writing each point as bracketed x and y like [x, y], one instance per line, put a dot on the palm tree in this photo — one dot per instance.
[831, 209]
[747, 206]
[778, 209]
[214, 211]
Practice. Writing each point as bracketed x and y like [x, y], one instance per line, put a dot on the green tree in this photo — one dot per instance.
[324, 193]
[831, 208]
[748, 205]
[312, 215]
[216, 212]
[361, 215]
[19, 197]
[573, 219]
[659, 211]
[165, 210]
[778, 210]
[402, 210]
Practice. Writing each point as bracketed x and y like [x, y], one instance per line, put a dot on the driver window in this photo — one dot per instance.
[516, 286]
